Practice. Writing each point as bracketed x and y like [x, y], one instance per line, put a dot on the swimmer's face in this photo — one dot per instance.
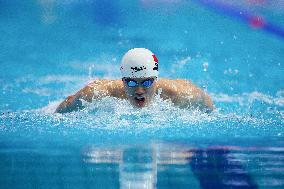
[140, 91]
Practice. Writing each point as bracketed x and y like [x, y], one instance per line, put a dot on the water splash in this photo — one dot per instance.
[116, 121]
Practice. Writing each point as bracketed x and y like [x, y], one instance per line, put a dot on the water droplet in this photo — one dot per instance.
[205, 66]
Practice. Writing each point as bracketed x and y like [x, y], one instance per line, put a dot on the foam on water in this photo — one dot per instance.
[242, 99]
[253, 115]
[116, 121]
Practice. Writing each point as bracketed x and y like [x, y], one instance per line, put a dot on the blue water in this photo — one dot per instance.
[51, 49]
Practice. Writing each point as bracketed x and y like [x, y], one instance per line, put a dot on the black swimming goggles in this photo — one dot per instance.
[146, 83]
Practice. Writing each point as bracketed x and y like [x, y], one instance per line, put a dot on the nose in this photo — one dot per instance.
[139, 91]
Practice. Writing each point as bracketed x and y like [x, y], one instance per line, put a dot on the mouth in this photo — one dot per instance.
[140, 100]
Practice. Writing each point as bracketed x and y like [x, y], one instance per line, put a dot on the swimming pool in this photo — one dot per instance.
[50, 49]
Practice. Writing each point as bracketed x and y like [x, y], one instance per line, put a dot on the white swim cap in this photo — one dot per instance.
[139, 62]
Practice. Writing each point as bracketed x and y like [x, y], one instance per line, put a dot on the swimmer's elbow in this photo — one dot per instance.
[208, 104]
[209, 109]
[60, 110]
[203, 103]
[69, 104]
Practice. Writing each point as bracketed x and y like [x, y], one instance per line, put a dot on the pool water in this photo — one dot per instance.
[51, 49]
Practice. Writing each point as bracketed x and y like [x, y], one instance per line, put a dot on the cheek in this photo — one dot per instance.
[128, 92]
[151, 92]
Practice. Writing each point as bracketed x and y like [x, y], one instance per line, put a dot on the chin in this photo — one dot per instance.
[139, 104]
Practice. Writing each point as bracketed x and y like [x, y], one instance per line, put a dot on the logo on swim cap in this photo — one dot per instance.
[139, 62]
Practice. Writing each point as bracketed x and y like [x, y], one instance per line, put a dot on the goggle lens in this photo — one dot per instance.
[132, 83]
[146, 83]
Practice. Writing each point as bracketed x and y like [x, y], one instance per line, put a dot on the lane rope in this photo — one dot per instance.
[254, 21]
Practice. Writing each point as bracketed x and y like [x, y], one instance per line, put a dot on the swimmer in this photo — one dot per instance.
[139, 84]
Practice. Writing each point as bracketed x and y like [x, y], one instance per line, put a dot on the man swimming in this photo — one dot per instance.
[139, 84]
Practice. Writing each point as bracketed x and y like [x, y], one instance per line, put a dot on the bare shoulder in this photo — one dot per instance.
[163, 81]
[184, 93]
[107, 87]
[94, 90]
[175, 85]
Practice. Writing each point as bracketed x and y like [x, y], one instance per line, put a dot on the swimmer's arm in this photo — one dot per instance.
[197, 98]
[74, 102]
[186, 95]
[94, 90]
[189, 95]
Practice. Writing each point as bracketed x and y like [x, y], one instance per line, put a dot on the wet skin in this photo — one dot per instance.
[180, 92]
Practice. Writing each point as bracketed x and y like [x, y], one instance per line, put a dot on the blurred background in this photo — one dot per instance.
[233, 49]
[52, 48]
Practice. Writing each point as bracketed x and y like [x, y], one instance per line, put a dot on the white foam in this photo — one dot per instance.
[249, 98]
[105, 65]
[61, 79]
[49, 79]
[37, 91]
[110, 112]
[178, 65]
[115, 114]
[50, 108]
[48, 15]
